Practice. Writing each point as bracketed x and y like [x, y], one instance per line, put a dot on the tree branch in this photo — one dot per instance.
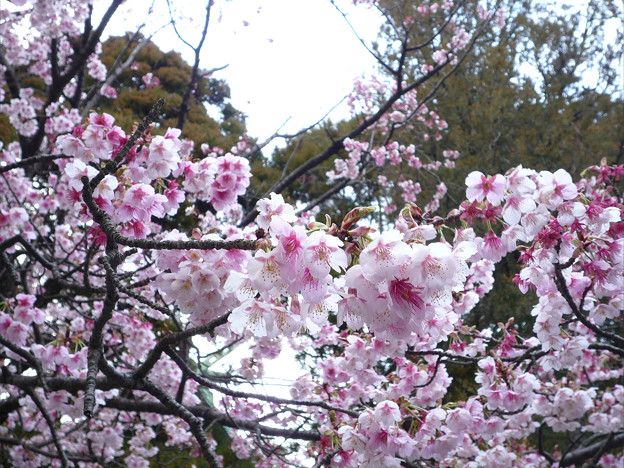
[193, 421]
[565, 292]
[50, 422]
[210, 414]
[28, 357]
[173, 338]
[368, 122]
[33, 160]
[95, 352]
[580, 455]
[94, 95]
[184, 106]
[31, 145]
[237, 394]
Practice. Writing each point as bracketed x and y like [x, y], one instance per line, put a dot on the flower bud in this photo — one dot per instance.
[355, 215]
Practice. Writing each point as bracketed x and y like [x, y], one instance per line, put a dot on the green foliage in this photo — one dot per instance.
[499, 118]
[463, 385]
[135, 99]
[311, 185]
[7, 131]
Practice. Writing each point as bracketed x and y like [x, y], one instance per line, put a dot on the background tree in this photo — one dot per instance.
[171, 74]
[493, 103]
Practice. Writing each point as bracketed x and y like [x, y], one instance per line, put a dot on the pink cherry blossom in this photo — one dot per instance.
[481, 187]
[275, 205]
[375, 309]
[384, 256]
[322, 254]
[555, 188]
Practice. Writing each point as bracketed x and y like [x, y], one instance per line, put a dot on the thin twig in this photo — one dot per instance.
[237, 394]
[46, 415]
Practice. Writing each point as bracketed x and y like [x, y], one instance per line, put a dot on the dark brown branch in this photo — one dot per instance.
[94, 354]
[54, 65]
[142, 300]
[74, 457]
[173, 338]
[33, 160]
[435, 372]
[10, 76]
[237, 394]
[601, 450]
[8, 405]
[74, 385]
[608, 347]
[565, 292]
[375, 55]
[175, 28]
[112, 166]
[336, 146]
[110, 262]
[242, 244]
[50, 422]
[69, 384]
[190, 87]
[330, 192]
[209, 414]
[438, 32]
[19, 239]
[303, 131]
[80, 76]
[30, 146]
[28, 357]
[195, 424]
[79, 58]
[106, 224]
[579, 455]
[10, 277]
[326, 459]
[540, 445]
[456, 358]
[117, 69]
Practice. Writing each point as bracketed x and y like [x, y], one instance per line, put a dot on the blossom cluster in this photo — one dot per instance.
[194, 279]
[43, 23]
[408, 287]
[155, 170]
[520, 397]
[395, 375]
[366, 156]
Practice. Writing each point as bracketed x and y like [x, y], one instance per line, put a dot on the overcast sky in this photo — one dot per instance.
[287, 59]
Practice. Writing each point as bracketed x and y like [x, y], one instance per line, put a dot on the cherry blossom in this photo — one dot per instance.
[481, 187]
[110, 321]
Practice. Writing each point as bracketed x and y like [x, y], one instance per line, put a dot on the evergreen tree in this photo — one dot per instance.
[171, 76]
